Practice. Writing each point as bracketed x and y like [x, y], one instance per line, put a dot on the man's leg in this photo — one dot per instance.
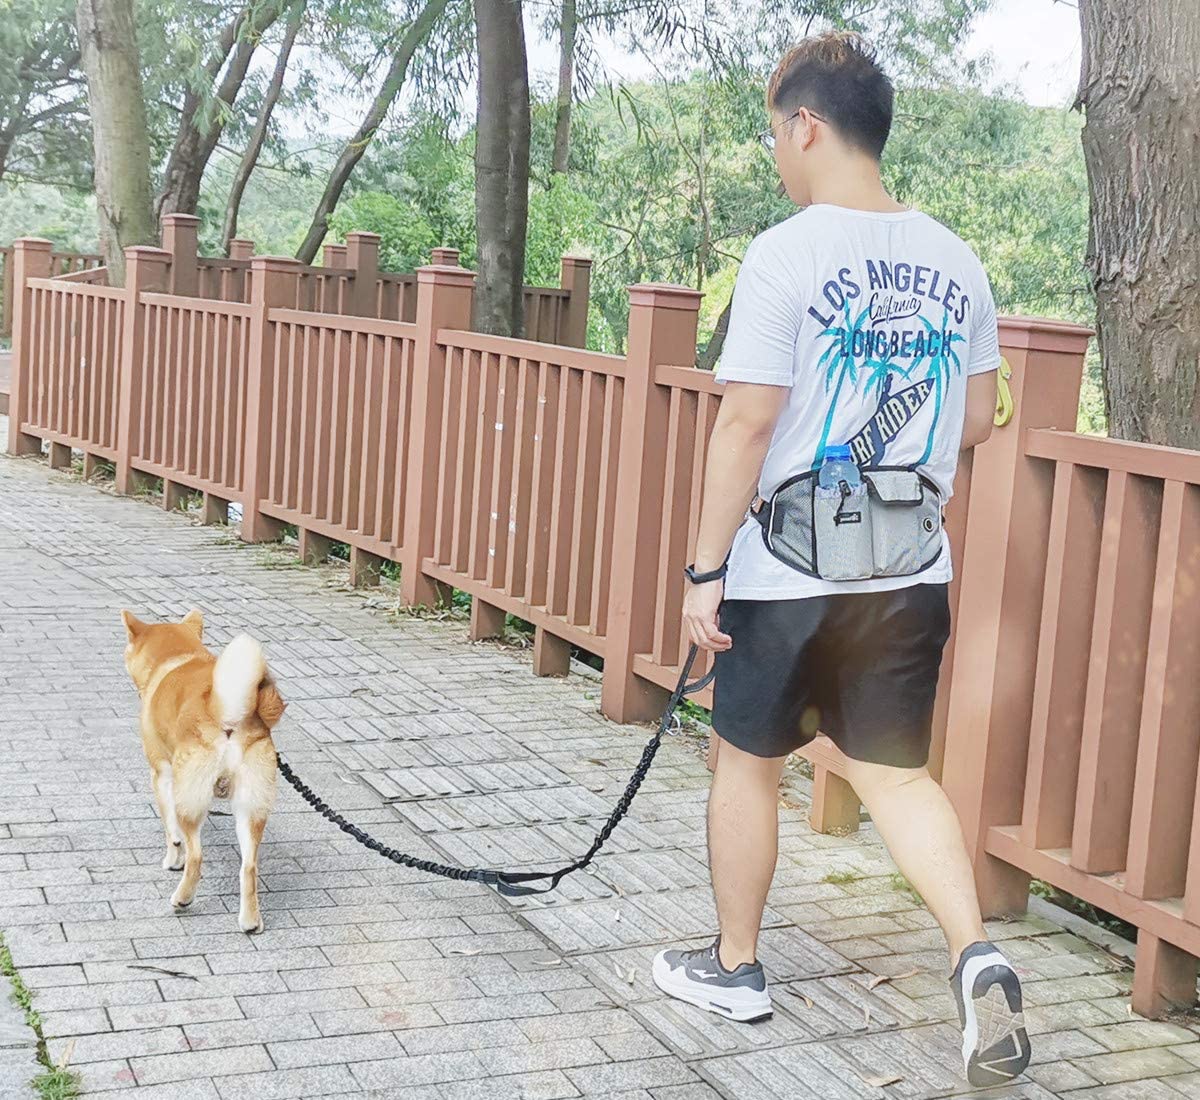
[923, 834]
[743, 841]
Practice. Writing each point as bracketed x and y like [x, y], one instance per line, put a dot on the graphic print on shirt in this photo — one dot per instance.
[868, 351]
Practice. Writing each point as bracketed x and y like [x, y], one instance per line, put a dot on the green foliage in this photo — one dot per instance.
[54, 1082]
[406, 234]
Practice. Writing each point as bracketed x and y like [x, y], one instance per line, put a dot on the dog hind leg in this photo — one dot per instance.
[253, 796]
[193, 789]
[185, 892]
[164, 795]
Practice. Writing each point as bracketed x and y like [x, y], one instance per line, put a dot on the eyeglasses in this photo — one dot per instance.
[767, 137]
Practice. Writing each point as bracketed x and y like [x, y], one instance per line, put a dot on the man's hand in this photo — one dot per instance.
[701, 602]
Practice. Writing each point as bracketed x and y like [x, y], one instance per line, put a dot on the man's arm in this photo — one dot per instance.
[736, 450]
[981, 409]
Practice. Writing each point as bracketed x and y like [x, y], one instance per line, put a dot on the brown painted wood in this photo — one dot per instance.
[313, 548]
[1164, 977]
[1144, 459]
[215, 510]
[487, 620]
[520, 492]
[1168, 749]
[1116, 672]
[364, 567]
[551, 654]
[835, 806]
[60, 456]
[1063, 653]
[1163, 919]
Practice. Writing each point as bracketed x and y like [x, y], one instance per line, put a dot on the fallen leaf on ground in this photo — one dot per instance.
[547, 962]
[879, 979]
[808, 1001]
[866, 1016]
[463, 951]
[347, 778]
[66, 1055]
[880, 1082]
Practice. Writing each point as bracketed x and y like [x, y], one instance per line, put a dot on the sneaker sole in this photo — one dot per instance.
[995, 1016]
[686, 991]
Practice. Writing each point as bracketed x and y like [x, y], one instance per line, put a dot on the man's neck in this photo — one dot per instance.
[856, 189]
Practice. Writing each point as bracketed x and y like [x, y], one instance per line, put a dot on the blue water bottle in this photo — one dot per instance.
[838, 467]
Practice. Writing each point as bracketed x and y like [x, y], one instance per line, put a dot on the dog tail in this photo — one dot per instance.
[239, 671]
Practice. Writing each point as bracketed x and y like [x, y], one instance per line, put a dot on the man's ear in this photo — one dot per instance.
[133, 625]
[195, 621]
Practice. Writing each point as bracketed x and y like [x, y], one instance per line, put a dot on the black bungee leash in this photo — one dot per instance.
[519, 883]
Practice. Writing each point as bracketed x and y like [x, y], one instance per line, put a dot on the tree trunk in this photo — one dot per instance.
[566, 86]
[122, 146]
[501, 166]
[354, 149]
[259, 134]
[197, 138]
[1140, 88]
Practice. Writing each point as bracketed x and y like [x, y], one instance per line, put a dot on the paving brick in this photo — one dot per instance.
[294, 1084]
[200, 1063]
[376, 981]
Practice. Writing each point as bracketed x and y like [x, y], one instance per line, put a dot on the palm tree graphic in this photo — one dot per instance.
[876, 369]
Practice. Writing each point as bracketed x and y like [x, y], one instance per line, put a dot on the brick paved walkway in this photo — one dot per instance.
[373, 981]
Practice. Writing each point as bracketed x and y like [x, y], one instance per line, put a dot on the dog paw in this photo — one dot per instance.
[250, 925]
[173, 860]
[180, 900]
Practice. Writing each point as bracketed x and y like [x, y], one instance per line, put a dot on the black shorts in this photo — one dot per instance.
[860, 667]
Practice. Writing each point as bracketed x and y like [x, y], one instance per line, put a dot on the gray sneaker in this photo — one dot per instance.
[698, 977]
[995, 1043]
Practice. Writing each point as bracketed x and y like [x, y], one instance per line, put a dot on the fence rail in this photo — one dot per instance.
[563, 486]
[80, 266]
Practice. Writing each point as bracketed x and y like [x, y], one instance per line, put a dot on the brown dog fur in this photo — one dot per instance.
[206, 731]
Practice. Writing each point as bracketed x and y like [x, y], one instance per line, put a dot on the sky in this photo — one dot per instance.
[1034, 48]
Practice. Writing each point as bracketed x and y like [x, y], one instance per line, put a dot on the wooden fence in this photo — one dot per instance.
[563, 486]
[61, 263]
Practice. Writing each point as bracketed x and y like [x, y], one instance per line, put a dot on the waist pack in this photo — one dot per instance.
[889, 526]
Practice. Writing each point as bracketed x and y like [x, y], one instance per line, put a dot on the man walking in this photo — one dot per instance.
[859, 362]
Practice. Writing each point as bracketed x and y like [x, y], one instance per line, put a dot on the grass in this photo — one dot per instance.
[54, 1082]
[903, 886]
[841, 878]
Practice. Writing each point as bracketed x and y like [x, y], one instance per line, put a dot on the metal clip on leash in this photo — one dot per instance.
[519, 883]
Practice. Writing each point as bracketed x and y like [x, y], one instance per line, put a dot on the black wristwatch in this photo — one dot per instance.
[689, 571]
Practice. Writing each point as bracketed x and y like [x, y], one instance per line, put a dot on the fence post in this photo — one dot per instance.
[6, 291]
[273, 285]
[1002, 575]
[362, 254]
[445, 257]
[576, 279]
[146, 269]
[29, 259]
[443, 302]
[333, 255]
[240, 248]
[179, 237]
[662, 331]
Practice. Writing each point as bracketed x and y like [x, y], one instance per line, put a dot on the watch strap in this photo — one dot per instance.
[703, 578]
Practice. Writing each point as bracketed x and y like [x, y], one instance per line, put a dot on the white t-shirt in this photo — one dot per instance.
[874, 321]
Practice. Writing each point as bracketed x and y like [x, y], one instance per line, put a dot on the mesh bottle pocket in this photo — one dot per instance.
[842, 533]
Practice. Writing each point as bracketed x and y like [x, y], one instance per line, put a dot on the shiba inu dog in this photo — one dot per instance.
[206, 730]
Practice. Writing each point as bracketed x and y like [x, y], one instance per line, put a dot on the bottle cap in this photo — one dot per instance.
[837, 453]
